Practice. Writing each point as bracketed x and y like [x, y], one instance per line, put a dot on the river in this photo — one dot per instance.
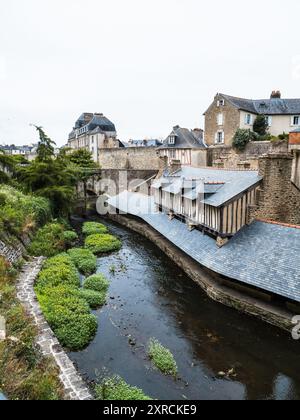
[151, 297]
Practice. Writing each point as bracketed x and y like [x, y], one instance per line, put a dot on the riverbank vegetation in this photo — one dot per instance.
[162, 358]
[116, 389]
[93, 228]
[85, 260]
[24, 373]
[100, 244]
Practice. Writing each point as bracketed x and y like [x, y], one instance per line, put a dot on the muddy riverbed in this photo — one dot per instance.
[150, 297]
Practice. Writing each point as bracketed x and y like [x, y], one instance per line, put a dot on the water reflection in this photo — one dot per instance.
[151, 297]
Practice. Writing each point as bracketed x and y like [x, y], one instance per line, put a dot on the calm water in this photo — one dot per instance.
[150, 297]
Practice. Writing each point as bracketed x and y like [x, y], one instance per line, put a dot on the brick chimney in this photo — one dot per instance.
[276, 94]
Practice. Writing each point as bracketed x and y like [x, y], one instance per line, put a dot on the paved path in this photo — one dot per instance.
[75, 388]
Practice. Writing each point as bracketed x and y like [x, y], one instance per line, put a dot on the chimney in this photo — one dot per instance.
[276, 94]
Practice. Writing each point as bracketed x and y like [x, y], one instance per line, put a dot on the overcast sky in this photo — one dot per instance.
[146, 64]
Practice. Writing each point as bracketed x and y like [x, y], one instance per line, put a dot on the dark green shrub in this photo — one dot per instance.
[93, 228]
[70, 238]
[260, 125]
[93, 298]
[48, 241]
[102, 243]
[116, 389]
[97, 282]
[242, 138]
[283, 136]
[85, 260]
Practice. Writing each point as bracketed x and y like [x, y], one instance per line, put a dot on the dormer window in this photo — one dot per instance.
[220, 102]
[172, 139]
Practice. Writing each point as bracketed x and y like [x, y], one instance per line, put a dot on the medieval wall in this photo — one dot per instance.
[229, 158]
[278, 199]
[134, 158]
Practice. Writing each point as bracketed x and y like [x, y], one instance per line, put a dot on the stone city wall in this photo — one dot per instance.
[133, 158]
[229, 158]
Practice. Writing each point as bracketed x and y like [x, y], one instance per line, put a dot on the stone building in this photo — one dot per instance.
[227, 114]
[185, 146]
[93, 132]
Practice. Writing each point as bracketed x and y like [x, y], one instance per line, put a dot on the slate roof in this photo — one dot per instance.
[234, 183]
[96, 123]
[261, 255]
[273, 106]
[185, 139]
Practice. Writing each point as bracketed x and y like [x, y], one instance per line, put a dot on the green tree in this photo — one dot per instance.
[260, 125]
[85, 167]
[45, 150]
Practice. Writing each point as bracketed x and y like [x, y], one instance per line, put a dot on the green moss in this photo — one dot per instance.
[93, 228]
[116, 389]
[94, 299]
[162, 358]
[85, 260]
[102, 243]
[97, 282]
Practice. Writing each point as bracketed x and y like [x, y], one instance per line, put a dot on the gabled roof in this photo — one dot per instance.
[273, 106]
[220, 186]
[185, 139]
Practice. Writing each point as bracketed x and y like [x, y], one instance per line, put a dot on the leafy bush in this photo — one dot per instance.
[85, 260]
[283, 136]
[48, 241]
[20, 213]
[70, 238]
[78, 332]
[162, 358]
[57, 271]
[65, 306]
[242, 138]
[98, 283]
[102, 243]
[116, 389]
[93, 228]
[93, 298]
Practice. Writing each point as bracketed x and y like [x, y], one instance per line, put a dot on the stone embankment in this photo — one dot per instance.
[74, 386]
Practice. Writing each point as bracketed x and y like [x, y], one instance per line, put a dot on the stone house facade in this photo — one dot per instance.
[227, 114]
[93, 132]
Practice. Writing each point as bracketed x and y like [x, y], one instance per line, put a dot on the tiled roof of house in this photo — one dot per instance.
[185, 139]
[231, 183]
[263, 255]
[273, 106]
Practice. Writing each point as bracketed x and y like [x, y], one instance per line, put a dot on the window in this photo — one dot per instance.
[220, 119]
[296, 120]
[221, 102]
[220, 136]
[248, 119]
[172, 139]
[269, 121]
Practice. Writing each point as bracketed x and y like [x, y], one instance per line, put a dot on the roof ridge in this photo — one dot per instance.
[273, 222]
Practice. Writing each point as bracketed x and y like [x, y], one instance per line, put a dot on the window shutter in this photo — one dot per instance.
[223, 137]
[292, 120]
[246, 119]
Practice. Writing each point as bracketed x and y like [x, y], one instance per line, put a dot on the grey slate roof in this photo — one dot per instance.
[273, 106]
[261, 255]
[235, 183]
[96, 123]
[185, 139]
